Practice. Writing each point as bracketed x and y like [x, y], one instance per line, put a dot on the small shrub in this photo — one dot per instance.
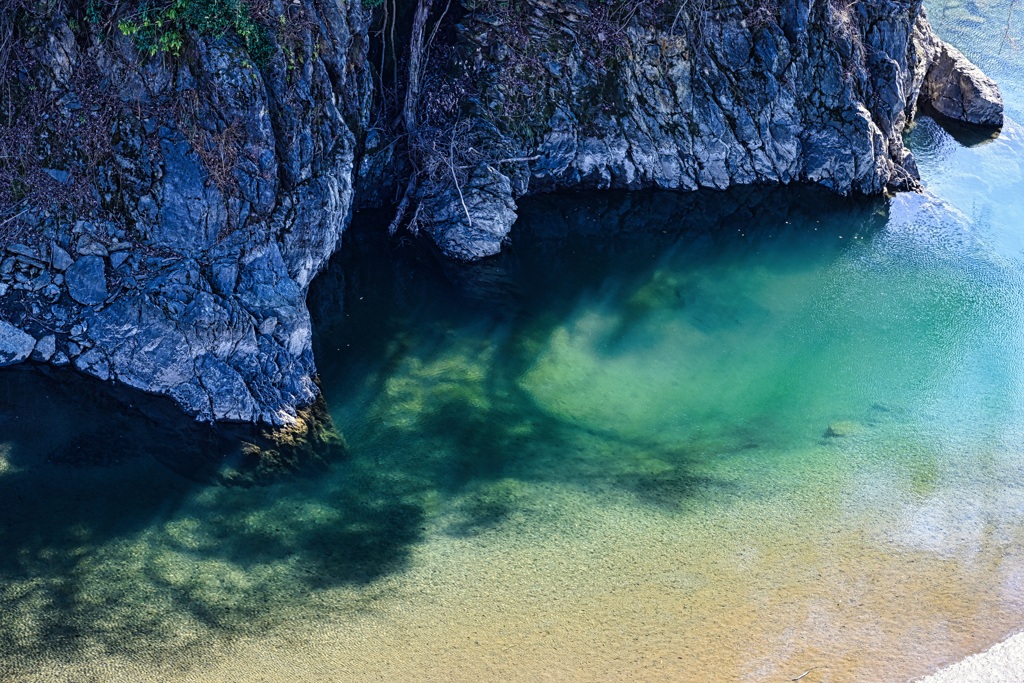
[164, 27]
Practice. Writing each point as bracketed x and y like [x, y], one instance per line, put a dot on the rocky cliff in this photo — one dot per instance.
[163, 214]
[689, 96]
[214, 190]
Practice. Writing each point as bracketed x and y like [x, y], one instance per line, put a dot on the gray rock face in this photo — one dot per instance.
[60, 259]
[475, 225]
[957, 89]
[192, 214]
[45, 348]
[816, 92]
[231, 185]
[94, 362]
[15, 345]
[87, 280]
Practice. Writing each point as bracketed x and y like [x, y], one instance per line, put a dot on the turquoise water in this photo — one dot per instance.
[719, 436]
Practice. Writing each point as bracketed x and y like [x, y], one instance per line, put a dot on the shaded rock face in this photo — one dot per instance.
[223, 188]
[226, 189]
[87, 281]
[15, 345]
[793, 92]
[473, 226]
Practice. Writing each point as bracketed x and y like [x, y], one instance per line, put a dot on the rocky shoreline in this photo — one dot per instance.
[178, 208]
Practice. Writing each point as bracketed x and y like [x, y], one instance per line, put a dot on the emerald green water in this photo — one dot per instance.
[719, 436]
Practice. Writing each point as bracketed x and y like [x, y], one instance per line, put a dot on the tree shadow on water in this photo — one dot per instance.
[109, 547]
[486, 450]
[113, 540]
[455, 340]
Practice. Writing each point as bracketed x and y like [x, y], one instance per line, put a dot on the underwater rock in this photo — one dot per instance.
[306, 445]
[843, 428]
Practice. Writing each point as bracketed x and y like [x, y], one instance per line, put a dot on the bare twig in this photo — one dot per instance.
[430, 40]
[807, 672]
[394, 56]
[403, 205]
[14, 217]
[455, 178]
[514, 160]
[1007, 38]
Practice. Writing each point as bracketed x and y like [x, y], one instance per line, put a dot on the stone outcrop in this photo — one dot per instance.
[226, 188]
[957, 89]
[221, 187]
[794, 92]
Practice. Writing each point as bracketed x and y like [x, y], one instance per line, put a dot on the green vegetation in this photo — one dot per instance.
[164, 27]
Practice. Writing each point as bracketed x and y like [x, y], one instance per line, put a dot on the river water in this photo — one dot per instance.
[709, 437]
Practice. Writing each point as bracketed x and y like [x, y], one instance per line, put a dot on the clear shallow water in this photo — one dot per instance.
[725, 436]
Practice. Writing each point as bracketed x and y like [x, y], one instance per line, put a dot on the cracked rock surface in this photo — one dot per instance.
[228, 189]
[957, 89]
[806, 92]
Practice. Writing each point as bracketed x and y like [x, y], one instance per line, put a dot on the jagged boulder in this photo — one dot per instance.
[15, 345]
[957, 89]
[471, 222]
[87, 282]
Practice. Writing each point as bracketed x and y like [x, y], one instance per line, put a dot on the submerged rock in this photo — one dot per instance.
[304, 446]
[843, 428]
